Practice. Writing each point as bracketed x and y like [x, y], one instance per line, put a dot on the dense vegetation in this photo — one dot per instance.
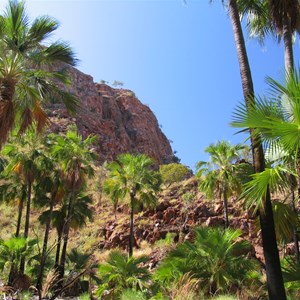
[55, 180]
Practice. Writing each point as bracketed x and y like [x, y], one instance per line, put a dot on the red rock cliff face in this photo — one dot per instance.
[121, 121]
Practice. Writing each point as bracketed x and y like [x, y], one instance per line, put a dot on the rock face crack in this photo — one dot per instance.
[116, 116]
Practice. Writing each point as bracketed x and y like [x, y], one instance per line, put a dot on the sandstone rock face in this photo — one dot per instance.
[116, 116]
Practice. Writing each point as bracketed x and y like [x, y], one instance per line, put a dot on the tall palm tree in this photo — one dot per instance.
[273, 270]
[76, 158]
[132, 178]
[220, 173]
[81, 212]
[50, 190]
[279, 128]
[29, 69]
[278, 18]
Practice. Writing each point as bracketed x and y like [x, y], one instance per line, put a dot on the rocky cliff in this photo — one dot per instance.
[116, 116]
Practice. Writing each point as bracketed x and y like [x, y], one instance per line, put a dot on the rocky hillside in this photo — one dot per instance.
[121, 121]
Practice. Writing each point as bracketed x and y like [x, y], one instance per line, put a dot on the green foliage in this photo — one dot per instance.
[167, 241]
[85, 296]
[215, 257]
[219, 176]
[79, 261]
[24, 295]
[117, 83]
[276, 119]
[285, 220]
[173, 172]
[291, 276]
[82, 211]
[13, 249]
[290, 270]
[271, 178]
[75, 156]
[27, 68]
[132, 174]
[121, 273]
[130, 294]
[221, 171]
[132, 178]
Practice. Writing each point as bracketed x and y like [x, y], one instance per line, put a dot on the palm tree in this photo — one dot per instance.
[279, 129]
[49, 191]
[81, 213]
[279, 18]
[26, 160]
[29, 69]
[273, 270]
[75, 156]
[214, 257]
[122, 272]
[220, 174]
[82, 265]
[132, 177]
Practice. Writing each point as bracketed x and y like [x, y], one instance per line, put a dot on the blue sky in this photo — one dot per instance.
[178, 58]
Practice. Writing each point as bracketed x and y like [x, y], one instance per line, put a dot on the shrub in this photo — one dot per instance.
[215, 258]
[121, 273]
[173, 172]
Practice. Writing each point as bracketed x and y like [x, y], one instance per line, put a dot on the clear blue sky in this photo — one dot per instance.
[179, 59]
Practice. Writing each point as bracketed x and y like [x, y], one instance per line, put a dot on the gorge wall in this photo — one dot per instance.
[116, 116]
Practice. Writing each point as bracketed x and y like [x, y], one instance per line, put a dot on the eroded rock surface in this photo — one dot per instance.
[116, 116]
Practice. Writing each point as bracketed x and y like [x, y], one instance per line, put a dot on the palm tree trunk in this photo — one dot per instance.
[27, 223]
[288, 45]
[7, 107]
[61, 267]
[58, 246]
[130, 249]
[225, 207]
[295, 237]
[21, 205]
[44, 252]
[273, 270]
[13, 268]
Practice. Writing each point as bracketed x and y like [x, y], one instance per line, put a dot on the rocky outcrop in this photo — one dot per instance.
[173, 215]
[116, 116]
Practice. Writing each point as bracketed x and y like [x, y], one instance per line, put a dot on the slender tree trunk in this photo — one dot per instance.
[288, 45]
[44, 252]
[27, 223]
[13, 269]
[225, 201]
[7, 107]
[130, 249]
[61, 267]
[273, 270]
[58, 246]
[295, 237]
[20, 212]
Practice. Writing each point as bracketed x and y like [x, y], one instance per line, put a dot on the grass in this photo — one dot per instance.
[225, 297]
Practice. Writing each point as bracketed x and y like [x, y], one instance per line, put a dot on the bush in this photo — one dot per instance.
[215, 258]
[174, 172]
[121, 273]
[130, 294]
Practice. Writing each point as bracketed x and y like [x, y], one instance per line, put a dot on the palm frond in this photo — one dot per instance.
[271, 178]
